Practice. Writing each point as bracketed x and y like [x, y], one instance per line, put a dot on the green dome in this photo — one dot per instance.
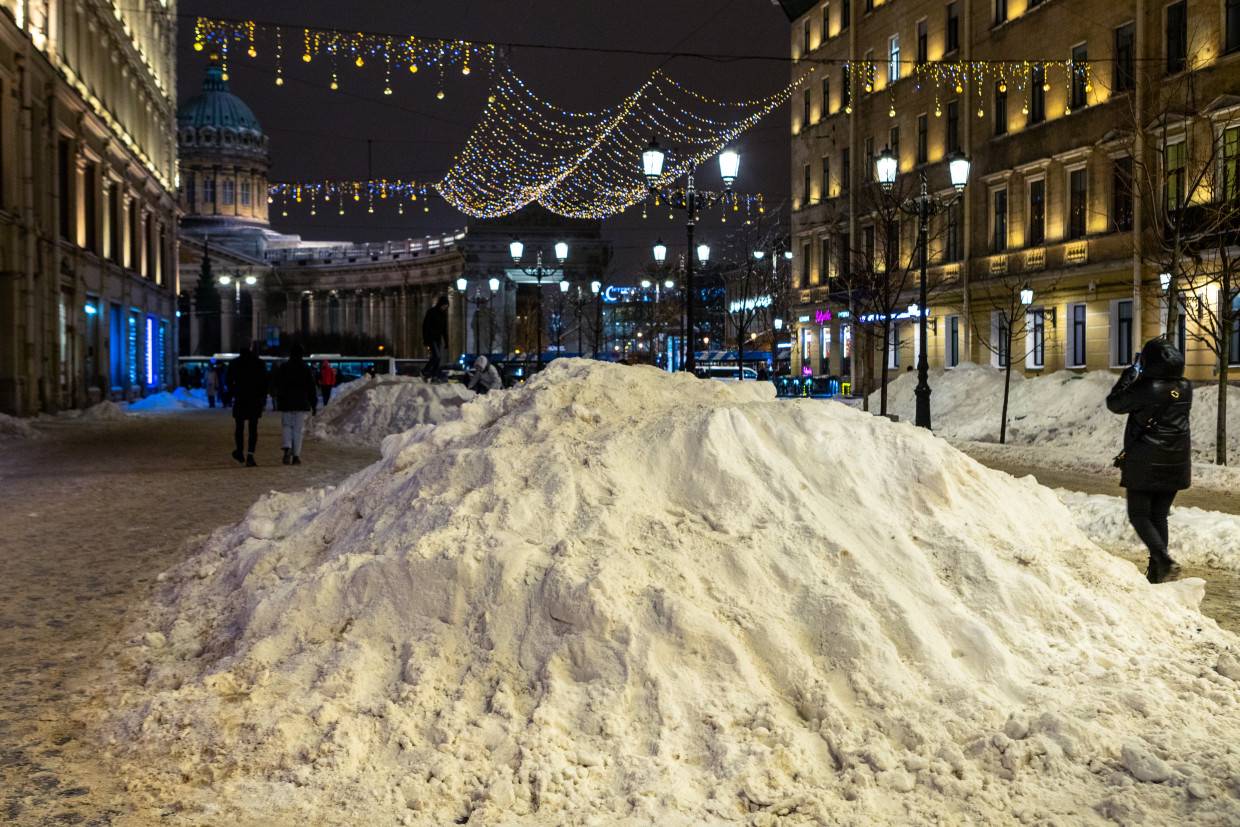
[216, 106]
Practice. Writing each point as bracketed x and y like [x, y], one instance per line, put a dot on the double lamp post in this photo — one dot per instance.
[923, 205]
[539, 272]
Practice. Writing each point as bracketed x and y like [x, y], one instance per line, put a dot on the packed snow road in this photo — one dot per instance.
[94, 511]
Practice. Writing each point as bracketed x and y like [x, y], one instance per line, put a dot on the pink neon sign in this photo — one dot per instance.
[822, 316]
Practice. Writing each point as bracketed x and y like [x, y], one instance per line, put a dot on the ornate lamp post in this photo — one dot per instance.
[517, 250]
[923, 206]
[652, 169]
[236, 281]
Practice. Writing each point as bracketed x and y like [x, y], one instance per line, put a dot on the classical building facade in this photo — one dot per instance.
[87, 210]
[1079, 172]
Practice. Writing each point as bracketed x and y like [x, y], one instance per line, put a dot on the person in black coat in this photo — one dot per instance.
[435, 336]
[296, 393]
[248, 379]
[1157, 461]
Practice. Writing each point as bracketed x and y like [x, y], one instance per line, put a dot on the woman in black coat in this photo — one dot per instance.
[1157, 461]
[248, 379]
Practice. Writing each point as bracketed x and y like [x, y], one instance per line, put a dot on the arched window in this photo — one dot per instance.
[208, 190]
[230, 190]
[245, 192]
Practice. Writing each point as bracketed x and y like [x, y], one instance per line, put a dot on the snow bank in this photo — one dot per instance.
[105, 411]
[617, 595]
[367, 410]
[1198, 537]
[1063, 410]
[165, 401]
[13, 428]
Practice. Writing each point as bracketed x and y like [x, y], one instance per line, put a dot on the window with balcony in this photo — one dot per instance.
[806, 249]
[1231, 26]
[1121, 194]
[1077, 203]
[114, 220]
[1078, 98]
[1177, 37]
[923, 43]
[953, 27]
[1037, 94]
[999, 221]
[1124, 74]
[1076, 335]
[1000, 113]
[893, 58]
[923, 139]
[1175, 160]
[953, 126]
[1037, 213]
[65, 190]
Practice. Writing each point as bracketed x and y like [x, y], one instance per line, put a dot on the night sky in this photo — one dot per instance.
[318, 133]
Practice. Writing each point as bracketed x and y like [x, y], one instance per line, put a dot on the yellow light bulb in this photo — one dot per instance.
[223, 76]
[426, 209]
[387, 90]
[891, 113]
[1002, 88]
[938, 112]
[848, 110]
[252, 52]
[284, 213]
[1046, 87]
[465, 70]
[959, 88]
[413, 68]
[335, 85]
[1024, 110]
[490, 99]
[279, 81]
[359, 63]
[305, 58]
[357, 197]
[439, 95]
[342, 210]
[197, 45]
[869, 87]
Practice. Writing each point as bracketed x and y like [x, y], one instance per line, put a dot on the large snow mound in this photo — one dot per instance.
[13, 428]
[1063, 410]
[367, 410]
[105, 411]
[619, 596]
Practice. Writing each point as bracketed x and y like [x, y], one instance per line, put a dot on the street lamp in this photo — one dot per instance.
[517, 250]
[493, 283]
[1026, 295]
[703, 253]
[886, 167]
[236, 281]
[787, 255]
[596, 287]
[1164, 281]
[461, 284]
[759, 254]
[652, 168]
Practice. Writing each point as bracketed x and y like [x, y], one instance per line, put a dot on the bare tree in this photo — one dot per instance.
[750, 282]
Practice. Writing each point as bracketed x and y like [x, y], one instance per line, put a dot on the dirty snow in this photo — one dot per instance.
[105, 411]
[365, 411]
[616, 595]
[12, 427]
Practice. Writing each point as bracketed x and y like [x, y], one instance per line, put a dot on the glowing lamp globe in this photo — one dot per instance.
[561, 251]
[652, 162]
[516, 249]
[461, 284]
[729, 166]
[886, 166]
[660, 251]
[958, 168]
[703, 253]
[493, 284]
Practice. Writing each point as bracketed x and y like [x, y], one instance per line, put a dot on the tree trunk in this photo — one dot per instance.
[740, 355]
[1007, 386]
[1224, 350]
[882, 396]
[863, 365]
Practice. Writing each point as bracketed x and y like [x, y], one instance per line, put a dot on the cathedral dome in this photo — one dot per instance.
[216, 119]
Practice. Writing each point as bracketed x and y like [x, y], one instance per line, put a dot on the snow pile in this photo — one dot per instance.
[367, 410]
[1198, 537]
[1063, 410]
[616, 595]
[105, 411]
[165, 401]
[11, 427]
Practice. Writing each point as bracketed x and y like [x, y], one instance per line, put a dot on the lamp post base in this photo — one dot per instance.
[922, 392]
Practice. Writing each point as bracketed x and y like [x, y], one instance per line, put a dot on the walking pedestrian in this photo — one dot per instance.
[484, 378]
[248, 379]
[211, 384]
[295, 394]
[1156, 462]
[327, 380]
[435, 336]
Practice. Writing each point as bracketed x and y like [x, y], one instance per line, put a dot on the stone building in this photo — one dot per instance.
[87, 211]
[1077, 171]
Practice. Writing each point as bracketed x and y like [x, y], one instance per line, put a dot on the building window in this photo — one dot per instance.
[1177, 37]
[845, 14]
[135, 235]
[208, 190]
[1001, 11]
[1121, 194]
[1037, 94]
[952, 346]
[955, 232]
[65, 173]
[826, 178]
[230, 189]
[245, 192]
[1231, 26]
[893, 58]
[953, 28]
[1125, 76]
[923, 139]
[805, 39]
[1175, 160]
[1000, 339]
[953, 126]
[190, 191]
[845, 85]
[1121, 340]
[806, 194]
[1076, 203]
[923, 43]
[1001, 124]
[90, 195]
[1036, 346]
[824, 258]
[869, 6]
[1037, 212]
[843, 256]
[867, 242]
[1231, 163]
[1235, 331]
[893, 346]
[869, 159]
[114, 222]
[1000, 212]
[1080, 62]
[806, 108]
[1076, 336]
[806, 250]
[826, 21]
[845, 170]
[826, 97]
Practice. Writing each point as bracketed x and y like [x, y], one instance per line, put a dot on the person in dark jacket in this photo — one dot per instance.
[296, 393]
[248, 380]
[1156, 462]
[435, 336]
